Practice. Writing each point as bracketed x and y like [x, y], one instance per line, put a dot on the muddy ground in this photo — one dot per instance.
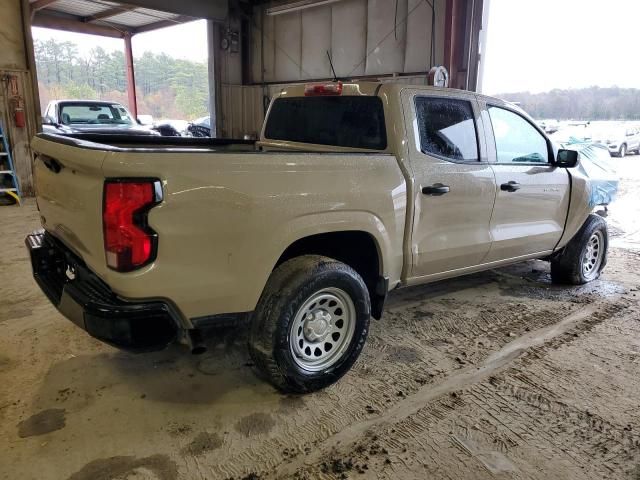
[495, 375]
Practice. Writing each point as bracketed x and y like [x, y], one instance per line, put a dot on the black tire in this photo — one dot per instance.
[288, 288]
[623, 151]
[567, 266]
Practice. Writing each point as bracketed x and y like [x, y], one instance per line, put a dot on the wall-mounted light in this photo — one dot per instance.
[296, 6]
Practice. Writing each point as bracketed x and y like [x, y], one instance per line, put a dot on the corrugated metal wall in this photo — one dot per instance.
[364, 37]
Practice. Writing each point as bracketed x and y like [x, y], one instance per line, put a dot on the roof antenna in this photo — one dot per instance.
[333, 70]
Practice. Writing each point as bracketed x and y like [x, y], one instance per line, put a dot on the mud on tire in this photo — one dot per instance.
[567, 266]
[288, 290]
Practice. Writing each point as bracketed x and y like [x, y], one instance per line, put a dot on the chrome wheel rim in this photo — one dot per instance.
[322, 329]
[592, 258]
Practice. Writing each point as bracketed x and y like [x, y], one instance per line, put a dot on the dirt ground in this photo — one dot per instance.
[495, 375]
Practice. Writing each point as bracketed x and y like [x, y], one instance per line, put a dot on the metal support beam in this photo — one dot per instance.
[163, 24]
[131, 77]
[59, 23]
[215, 85]
[449, 20]
[297, 6]
[209, 9]
[463, 22]
[112, 12]
[40, 4]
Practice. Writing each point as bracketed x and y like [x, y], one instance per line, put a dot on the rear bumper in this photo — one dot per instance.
[89, 303]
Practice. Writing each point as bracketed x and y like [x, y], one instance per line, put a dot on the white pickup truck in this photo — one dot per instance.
[353, 190]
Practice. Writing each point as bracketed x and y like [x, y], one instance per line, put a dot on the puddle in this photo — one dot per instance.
[255, 424]
[155, 467]
[203, 443]
[43, 422]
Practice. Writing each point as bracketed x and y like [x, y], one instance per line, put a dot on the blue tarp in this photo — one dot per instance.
[595, 164]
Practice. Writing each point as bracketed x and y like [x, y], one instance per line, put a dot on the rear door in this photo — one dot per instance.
[454, 185]
[532, 194]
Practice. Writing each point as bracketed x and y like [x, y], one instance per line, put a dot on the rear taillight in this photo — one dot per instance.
[322, 89]
[129, 242]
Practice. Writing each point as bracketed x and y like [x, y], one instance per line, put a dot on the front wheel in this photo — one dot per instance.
[310, 324]
[623, 151]
[584, 257]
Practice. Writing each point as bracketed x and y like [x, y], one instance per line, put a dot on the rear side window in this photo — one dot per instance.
[356, 122]
[447, 128]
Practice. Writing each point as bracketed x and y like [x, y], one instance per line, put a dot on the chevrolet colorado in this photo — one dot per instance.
[354, 189]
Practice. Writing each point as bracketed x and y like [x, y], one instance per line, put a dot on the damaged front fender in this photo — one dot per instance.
[594, 183]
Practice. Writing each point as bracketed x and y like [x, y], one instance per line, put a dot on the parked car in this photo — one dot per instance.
[172, 128]
[200, 127]
[619, 139]
[76, 116]
[568, 134]
[353, 190]
[549, 126]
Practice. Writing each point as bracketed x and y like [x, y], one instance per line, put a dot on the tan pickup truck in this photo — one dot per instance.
[353, 190]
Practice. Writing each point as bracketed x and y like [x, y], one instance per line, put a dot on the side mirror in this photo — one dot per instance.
[48, 121]
[567, 158]
[145, 120]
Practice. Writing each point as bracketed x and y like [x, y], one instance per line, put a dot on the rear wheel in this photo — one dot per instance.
[584, 257]
[310, 324]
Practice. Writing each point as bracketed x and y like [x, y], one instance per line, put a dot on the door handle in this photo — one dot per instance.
[51, 163]
[436, 189]
[510, 186]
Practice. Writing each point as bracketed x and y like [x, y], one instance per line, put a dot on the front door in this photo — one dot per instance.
[454, 185]
[532, 194]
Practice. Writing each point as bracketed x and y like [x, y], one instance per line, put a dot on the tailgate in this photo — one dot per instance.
[69, 184]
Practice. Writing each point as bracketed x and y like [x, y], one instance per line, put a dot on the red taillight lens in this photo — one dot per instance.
[128, 241]
[322, 89]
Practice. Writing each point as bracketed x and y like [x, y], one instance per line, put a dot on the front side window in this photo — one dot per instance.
[447, 128]
[517, 141]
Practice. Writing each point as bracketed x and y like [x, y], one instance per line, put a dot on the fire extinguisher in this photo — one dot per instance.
[16, 102]
[18, 117]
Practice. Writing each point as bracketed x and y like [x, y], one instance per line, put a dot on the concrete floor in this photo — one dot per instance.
[495, 375]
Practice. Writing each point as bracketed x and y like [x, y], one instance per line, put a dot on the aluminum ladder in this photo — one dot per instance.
[8, 178]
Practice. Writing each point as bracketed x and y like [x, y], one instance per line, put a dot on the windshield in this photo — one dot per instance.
[94, 114]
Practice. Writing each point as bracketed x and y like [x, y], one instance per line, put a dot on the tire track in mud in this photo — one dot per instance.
[546, 337]
[443, 334]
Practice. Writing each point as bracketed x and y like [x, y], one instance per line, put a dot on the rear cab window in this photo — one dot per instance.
[341, 121]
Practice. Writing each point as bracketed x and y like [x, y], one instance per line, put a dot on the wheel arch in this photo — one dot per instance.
[357, 248]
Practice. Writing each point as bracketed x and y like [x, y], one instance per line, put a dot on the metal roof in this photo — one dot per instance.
[102, 17]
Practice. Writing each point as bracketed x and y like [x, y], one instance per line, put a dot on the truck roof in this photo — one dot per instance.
[367, 88]
[79, 100]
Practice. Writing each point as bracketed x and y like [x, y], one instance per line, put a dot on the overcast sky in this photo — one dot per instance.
[538, 45]
[186, 41]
